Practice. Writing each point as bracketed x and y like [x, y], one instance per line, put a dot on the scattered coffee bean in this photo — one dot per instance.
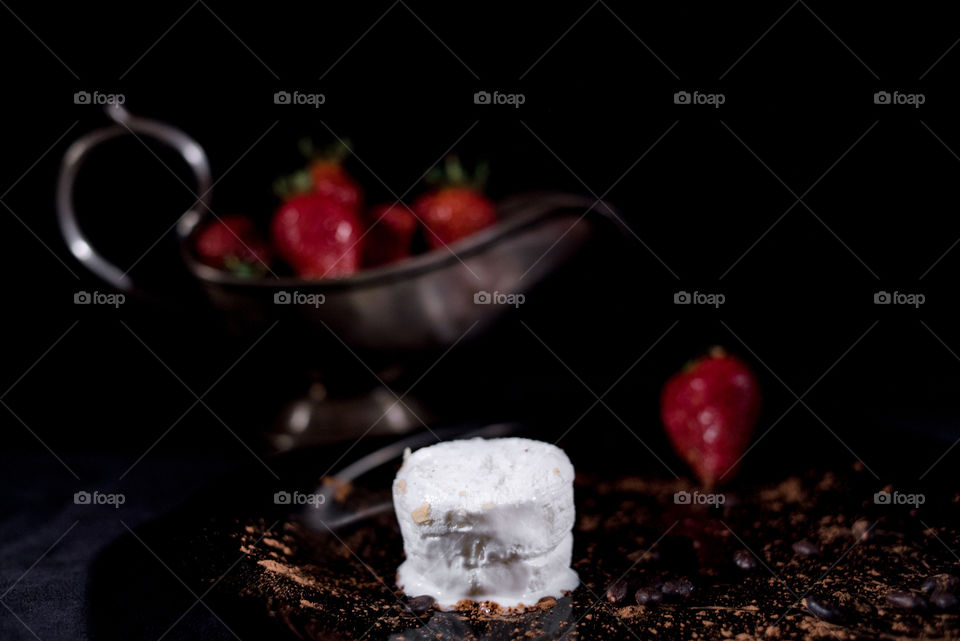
[905, 600]
[676, 589]
[420, 604]
[823, 607]
[616, 592]
[744, 560]
[648, 596]
[805, 548]
[862, 530]
[940, 583]
[943, 600]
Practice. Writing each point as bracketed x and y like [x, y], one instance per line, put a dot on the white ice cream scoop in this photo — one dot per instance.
[486, 520]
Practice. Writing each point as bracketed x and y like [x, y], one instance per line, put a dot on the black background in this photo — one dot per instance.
[712, 202]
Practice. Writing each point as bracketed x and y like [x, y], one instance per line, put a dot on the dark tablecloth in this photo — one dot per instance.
[50, 545]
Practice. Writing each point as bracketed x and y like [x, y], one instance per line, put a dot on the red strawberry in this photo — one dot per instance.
[456, 209]
[390, 230]
[330, 179]
[318, 236]
[709, 409]
[233, 243]
[325, 175]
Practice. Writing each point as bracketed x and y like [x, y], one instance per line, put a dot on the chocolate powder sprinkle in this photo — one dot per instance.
[691, 585]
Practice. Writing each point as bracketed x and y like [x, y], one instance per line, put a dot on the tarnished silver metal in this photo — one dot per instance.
[427, 301]
[125, 123]
[391, 315]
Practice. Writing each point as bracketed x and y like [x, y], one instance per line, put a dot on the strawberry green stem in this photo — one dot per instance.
[453, 174]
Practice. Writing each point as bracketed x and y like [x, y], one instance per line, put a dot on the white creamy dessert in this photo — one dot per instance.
[486, 520]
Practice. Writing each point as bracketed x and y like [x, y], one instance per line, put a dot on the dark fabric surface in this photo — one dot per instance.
[49, 547]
